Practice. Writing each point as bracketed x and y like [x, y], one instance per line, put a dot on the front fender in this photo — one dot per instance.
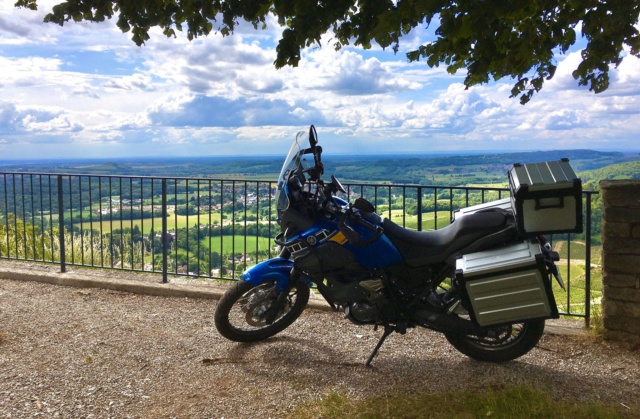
[276, 269]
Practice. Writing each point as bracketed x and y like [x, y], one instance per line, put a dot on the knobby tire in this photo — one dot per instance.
[233, 298]
[483, 350]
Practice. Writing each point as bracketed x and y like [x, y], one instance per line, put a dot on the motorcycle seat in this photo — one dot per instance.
[420, 248]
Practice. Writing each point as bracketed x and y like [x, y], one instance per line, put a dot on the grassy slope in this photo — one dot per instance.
[515, 401]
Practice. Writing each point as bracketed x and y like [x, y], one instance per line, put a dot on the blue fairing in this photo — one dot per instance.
[276, 269]
[378, 254]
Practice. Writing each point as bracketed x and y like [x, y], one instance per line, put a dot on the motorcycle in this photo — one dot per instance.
[480, 281]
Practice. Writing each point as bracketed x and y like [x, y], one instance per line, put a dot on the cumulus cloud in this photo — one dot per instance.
[12, 27]
[205, 111]
[216, 66]
[53, 123]
[623, 80]
[348, 73]
[19, 70]
[14, 119]
[561, 119]
[9, 116]
[133, 82]
[90, 85]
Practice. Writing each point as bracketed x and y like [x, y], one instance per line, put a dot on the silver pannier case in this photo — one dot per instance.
[546, 197]
[507, 285]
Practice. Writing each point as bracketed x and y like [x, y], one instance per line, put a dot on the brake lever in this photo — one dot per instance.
[347, 230]
[352, 235]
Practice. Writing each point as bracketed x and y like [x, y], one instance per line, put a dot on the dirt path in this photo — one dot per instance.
[73, 352]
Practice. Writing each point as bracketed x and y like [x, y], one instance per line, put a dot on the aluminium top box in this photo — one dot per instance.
[507, 285]
[546, 197]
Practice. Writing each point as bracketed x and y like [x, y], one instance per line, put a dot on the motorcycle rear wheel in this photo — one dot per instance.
[504, 343]
[241, 312]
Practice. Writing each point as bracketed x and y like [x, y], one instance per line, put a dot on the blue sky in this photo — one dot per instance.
[86, 90]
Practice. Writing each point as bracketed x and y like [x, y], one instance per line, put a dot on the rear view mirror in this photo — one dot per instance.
[313, 136]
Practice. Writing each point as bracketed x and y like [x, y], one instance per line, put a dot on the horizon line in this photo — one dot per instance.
[449, 153]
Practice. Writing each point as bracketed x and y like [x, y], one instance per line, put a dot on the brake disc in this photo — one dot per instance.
[257, 305]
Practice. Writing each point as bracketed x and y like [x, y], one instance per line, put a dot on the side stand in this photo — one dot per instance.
[387, 331]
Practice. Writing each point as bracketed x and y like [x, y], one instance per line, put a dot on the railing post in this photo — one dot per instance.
[165, 238]
[587, 256]
[435, 208]
[63, 267]
[419, 208]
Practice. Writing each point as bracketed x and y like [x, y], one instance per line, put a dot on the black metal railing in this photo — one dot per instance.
[214, 228]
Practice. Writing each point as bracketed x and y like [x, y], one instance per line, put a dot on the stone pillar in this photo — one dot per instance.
[621, 259]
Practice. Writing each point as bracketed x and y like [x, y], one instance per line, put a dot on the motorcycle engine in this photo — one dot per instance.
[367, 311]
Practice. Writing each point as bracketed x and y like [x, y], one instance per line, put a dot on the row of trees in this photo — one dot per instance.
[27, 194]
[121, 249]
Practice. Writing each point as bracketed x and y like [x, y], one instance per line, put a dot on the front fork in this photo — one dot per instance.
[275, 308]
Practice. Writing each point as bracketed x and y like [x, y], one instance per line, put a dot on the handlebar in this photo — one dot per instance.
[351, 234]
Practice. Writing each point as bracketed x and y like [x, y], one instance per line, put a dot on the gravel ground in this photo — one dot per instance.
[72, 352]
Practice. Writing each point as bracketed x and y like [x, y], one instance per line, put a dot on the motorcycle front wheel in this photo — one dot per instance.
[502, 343]
[241, 313]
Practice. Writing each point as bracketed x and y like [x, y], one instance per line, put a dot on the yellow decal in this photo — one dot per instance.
[339, 238]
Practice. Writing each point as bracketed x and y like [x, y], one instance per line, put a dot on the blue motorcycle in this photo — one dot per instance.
[480, 281]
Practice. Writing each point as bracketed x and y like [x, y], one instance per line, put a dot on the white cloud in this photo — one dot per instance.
[347, 73]
[133, 82]
[59, 123]
[13, 27]
[89, 85]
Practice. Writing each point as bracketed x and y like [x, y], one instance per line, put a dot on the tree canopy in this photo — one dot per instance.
[490, 39]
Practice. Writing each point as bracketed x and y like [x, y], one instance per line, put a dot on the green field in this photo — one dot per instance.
[174, 222]
[229, 244]
[429, 219]
[573, 300]
[574, 276]
[577, 251]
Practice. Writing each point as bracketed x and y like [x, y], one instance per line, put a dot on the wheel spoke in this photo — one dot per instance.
[499, 337]
[249, 312]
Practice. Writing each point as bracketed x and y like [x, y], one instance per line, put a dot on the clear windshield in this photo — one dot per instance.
[295, 159]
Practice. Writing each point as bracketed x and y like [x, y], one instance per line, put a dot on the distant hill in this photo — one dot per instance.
[461, 170]
[627, 170]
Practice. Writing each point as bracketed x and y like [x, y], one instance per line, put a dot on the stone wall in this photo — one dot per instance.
[621, 259]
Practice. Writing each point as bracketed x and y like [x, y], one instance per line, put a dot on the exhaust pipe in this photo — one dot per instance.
[446, 323]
